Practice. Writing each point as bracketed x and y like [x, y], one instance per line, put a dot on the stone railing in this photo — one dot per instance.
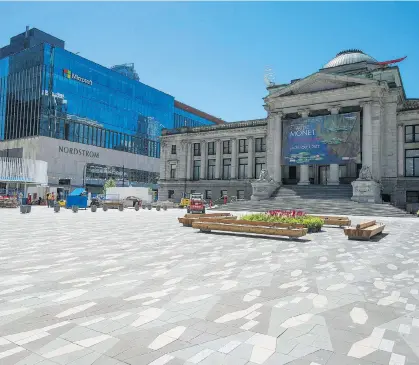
[233, 125]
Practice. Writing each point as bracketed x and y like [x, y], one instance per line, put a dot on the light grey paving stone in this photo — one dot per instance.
[86, 359]
[71, 357]
[13, 358]
[30, 359]
[305, 291]
[279, 359]
[203, 338]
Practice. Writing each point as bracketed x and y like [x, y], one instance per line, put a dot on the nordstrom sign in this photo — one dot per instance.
[72, 75]
[78, 151]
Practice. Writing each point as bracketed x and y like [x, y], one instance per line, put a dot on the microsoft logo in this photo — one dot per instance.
[67, 73]
[71, 75]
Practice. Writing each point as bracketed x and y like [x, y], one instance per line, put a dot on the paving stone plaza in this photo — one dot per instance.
[111, 288]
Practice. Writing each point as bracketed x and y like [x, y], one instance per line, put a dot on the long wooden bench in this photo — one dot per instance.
[234, 220]
[189, 218]
[364, 231]
[329, 220]
[242, 226]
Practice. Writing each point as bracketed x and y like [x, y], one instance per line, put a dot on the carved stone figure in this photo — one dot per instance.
[365, 174]
[264, 176]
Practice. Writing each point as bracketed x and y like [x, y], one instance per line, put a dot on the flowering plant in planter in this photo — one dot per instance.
[313, 224]
[286, 213]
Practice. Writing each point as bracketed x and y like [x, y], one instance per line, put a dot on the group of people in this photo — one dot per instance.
[50, 200]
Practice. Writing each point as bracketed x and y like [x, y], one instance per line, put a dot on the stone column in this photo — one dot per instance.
[277, 147]
[366, 135]
[218, 159]
[304, 170]
[203, 174]
[376, 139]
[333, 168]
[251, 158]
[163, 161]
[234, 159]
[400, 150]
[270, 144]
[333, 174]
[189, 161]
[304, 178]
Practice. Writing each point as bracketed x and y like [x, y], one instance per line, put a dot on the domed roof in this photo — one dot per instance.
[348, 57]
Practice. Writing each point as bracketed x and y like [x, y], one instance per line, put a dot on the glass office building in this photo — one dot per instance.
[47, 91]
[51, 92]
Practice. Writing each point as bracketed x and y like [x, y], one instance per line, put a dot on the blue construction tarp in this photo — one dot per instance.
[76, 198]
[77, 192]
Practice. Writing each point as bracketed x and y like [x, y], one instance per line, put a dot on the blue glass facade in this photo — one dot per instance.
[183, 118]
[48, 91]
[4, 71]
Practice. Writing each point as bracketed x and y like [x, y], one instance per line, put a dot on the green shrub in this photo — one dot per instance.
[313, 224]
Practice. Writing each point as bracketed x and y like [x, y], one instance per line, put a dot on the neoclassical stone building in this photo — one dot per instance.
[321, 129]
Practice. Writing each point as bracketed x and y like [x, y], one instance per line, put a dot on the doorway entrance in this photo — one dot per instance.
[292, 173]
[322, 176]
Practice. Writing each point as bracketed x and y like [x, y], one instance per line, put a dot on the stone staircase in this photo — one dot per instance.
[340, 192]
[317, 199]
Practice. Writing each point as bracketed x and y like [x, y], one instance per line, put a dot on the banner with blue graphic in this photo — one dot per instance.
[323, 140]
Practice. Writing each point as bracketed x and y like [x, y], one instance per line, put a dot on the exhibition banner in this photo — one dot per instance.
[322, 140]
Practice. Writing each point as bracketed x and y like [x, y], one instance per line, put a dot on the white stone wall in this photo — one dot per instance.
[184, 145]
[389, 137]
[63, 165]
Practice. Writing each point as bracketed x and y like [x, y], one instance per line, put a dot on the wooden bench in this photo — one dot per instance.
[189, 218]
[242, 226]
[334, 221]
[364, 231]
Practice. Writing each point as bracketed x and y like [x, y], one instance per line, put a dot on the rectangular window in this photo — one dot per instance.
[211, 169]
[224, 193]
[211, 148]
[260, 164]
[94, 135]
[173, 171]
[240, 194]
[243, 168]
[226, 168]
[171, 194]
[197, 149]
[412, 196]
[196, 169]
[243, 145]
[260, 144]
[226, 147]
[173, 149]
[411, 133]
[208, 194]
[412, 163]
[67, 131]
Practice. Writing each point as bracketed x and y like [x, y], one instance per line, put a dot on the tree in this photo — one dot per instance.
[110, 183]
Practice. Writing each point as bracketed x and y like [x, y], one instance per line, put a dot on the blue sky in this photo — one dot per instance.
[213, 55]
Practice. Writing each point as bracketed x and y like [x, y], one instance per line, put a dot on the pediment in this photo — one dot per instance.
[319, 82]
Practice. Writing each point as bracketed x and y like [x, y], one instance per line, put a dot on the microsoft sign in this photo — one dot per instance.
[71, 75]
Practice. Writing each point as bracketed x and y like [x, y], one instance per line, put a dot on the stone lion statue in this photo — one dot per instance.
[365, 173]
[264, 176]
